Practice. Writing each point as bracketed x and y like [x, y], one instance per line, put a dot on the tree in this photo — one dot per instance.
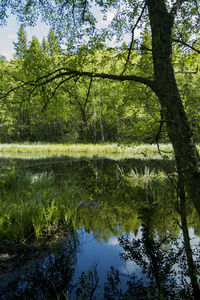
[45, 47]
[168, 21]
[54, 47]
[21, 45]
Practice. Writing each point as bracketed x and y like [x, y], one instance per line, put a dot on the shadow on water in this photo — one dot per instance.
[96, 229]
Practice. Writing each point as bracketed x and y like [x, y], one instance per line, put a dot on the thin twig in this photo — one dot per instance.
[54, 92]
[187, 45]
[132, 37]
[88, 93]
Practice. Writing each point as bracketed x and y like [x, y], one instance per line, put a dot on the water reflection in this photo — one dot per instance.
[66, 221]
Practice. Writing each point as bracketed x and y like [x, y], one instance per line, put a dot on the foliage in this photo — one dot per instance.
[73, 113]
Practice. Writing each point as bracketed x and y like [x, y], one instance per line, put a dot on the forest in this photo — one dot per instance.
[78, 110]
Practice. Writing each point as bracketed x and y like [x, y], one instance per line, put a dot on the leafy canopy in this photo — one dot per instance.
[77, 19]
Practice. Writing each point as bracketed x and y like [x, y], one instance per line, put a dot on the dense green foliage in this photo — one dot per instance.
[79, 110]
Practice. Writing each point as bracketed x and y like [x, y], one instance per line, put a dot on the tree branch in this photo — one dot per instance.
[67, 72]
[132, 37]
[88, 93]
[187, 45]
[64, 72]
[54, 92]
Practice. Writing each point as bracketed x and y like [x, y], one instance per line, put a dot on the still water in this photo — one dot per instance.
[95, 228]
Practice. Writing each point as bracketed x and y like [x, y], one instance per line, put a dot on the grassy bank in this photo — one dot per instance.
[95, 149]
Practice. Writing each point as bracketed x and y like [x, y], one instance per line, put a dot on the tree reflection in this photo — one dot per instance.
[167, 265]
[156, 257]
[192, 268]
[49, 279]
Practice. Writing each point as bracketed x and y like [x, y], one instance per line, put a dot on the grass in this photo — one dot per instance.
[142, 150]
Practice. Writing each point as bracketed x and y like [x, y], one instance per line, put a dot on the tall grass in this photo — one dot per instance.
[112, 151]
[65, 148]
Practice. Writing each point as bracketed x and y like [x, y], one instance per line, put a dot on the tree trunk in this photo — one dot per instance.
[95, 125]
[101, 124]
[165, 87]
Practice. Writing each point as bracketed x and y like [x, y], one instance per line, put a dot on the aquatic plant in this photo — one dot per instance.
[32, 205]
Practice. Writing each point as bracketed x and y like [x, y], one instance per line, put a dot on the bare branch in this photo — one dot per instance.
[64, 72]
[187, 45]
[54, 92]
[88, 93]
[13, 90]
[68, 72]
[83, 107]
[132, 37]
[84, 10]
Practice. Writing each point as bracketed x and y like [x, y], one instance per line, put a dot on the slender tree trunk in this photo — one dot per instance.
[95, 125]
[101, 124]
[186, 155]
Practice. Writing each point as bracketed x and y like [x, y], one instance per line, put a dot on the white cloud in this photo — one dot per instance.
[8, 54]
[12, 36]
[103, 20]
[110, 16]
[113, 241]
[129, 267]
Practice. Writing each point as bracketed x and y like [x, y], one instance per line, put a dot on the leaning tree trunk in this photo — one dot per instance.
[165, 87]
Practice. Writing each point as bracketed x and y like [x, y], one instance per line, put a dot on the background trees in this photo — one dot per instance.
[123, 113]
[70, 113]
[107, 111]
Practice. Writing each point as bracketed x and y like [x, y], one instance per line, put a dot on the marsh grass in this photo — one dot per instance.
[32, 205]
[61, 149]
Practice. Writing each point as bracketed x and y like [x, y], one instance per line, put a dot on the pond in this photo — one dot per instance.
[95, 228]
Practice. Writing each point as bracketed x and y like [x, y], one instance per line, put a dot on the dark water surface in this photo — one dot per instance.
[85, 229]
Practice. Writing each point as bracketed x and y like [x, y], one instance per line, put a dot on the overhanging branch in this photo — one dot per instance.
[54, 92]
[69, 74]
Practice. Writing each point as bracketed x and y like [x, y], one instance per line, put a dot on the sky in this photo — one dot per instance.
[8, 35]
